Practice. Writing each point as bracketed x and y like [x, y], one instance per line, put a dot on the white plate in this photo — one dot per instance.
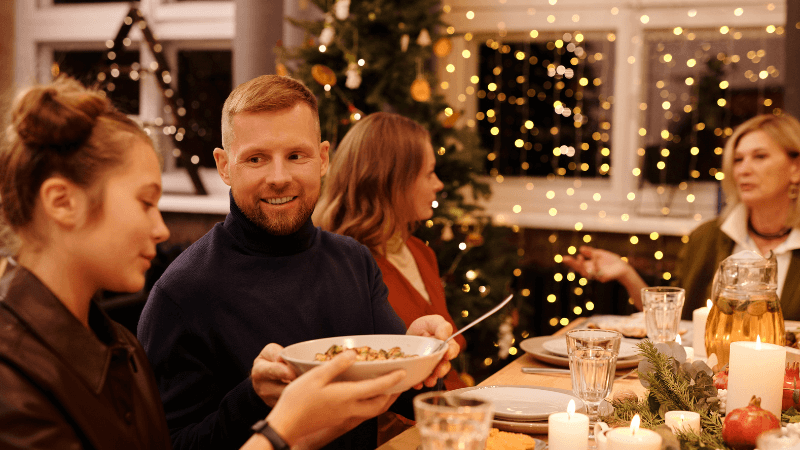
[533, 346]
[523, 403]
[627, 349]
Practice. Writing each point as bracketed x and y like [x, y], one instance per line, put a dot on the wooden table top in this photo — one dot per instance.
[512, 374]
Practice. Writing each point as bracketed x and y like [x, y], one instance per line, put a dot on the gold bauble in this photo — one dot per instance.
[421, 90]
[280, 69]
[442, 47]
[323, 75]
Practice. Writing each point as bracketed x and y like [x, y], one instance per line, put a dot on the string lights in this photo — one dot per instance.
[699, 84]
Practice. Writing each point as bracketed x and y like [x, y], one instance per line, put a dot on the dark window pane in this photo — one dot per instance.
[698, 90]
[204, 82]
[545, 107]
[85, 65]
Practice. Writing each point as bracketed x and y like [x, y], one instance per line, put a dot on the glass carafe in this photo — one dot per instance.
[745, 304]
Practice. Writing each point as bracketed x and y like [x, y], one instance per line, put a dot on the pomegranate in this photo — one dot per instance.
[721, 379]
[743, 425]
[791, 387]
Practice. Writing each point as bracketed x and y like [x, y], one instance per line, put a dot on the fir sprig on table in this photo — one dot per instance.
[673, 385]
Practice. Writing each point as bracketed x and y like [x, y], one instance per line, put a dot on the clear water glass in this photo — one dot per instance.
[663, 307]
[592, 363]
[592, 370]
[447, 421]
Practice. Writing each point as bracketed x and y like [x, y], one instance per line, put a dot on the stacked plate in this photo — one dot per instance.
[553, 350]
[523, 409]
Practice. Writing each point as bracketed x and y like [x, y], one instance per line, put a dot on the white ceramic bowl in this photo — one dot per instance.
[301, 357]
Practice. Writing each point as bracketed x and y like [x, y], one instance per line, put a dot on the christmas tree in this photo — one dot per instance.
[376, 55]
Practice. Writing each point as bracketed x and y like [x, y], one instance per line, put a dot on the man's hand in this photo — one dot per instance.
[439, 328]
[271, 374]
[598, 264]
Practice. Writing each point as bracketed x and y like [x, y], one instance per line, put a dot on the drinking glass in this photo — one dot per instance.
[592, 362]
[447, 421]
[663, 306]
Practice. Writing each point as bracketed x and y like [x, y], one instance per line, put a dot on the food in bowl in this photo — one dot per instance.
[302, 357]
[364, 353]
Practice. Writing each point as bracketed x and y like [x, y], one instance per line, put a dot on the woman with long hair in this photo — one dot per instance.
[761, 163]
[380, 184]
[80, 183]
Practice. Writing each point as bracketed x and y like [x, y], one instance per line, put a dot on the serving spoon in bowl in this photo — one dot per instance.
[471, 324]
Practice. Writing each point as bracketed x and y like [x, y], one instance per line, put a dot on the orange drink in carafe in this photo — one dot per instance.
[745, 305]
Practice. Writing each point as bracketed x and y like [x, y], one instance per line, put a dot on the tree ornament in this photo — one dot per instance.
[326, 37]
[442, 47]
[280, 69]
[424, 38]
[353, 76]
[450, 121]
[447, 233]
[743, 425]
[421, 90]
[404, 40]
[323, 75]
[342, 9]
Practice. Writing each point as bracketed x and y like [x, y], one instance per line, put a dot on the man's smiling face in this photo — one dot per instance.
[275, 167]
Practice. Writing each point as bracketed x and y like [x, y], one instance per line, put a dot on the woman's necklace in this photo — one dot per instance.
[768, 237]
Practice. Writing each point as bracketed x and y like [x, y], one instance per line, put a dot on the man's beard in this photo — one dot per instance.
[278, 224]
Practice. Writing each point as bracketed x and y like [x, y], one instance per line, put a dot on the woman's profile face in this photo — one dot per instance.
[114, 250]
[425, 187]
[762, 171]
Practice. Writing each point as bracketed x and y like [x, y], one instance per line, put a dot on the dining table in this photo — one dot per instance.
[512, 375]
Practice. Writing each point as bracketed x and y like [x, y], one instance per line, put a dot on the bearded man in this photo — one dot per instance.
[265, 276]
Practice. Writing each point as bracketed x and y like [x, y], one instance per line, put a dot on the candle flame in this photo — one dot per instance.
[709, 304]
[682, 419]
[571, 408]
[635, 424]
[758, 342]
[678, 339]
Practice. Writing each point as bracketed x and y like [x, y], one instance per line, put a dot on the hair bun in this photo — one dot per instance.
[61, 115]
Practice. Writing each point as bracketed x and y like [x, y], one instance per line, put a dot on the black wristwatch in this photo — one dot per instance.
[262, 426]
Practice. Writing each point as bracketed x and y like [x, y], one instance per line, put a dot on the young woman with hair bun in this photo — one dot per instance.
[80, 183]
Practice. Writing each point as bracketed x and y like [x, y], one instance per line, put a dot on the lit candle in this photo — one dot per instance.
[699, 318]
[756, 368]
[569, 430]
[689, 350]
[683, 421]
[633, 438]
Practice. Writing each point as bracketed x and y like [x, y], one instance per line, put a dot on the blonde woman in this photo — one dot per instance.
[761, 188]
[381, 183]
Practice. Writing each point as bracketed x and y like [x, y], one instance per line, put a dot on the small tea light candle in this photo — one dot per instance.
[689, 350]
[633, 438]
[699, 318]
[682, 421]
[758, 369]
[568, 430]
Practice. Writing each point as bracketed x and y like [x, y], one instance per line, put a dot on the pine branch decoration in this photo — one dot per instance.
[673, 385]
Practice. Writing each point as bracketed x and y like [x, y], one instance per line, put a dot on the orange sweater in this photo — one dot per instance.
[407, 301]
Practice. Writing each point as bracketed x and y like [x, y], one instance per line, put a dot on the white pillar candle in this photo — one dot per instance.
[633, 438]
[699, 318]
[756, 368]
[568, 430]
[682, 421]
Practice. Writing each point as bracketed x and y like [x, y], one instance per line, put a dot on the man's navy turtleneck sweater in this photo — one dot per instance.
[237, 289]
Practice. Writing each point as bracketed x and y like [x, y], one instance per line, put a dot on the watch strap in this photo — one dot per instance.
[262, 426]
